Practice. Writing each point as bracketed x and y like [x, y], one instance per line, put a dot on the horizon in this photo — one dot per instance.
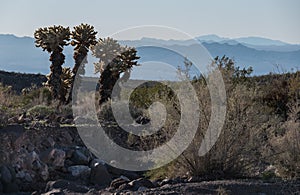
[262, 64]
[234, 18]
[196, 37]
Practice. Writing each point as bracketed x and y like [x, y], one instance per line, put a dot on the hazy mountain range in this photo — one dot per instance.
[19, 54]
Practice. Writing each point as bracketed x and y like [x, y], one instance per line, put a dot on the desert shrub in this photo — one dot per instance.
[286, 146]
[148, 93]
[6, 95]
[36, 96]
[140, 101]
[236, 152]
[294, 86]
[105, 112]
[268, 175]
[3, 117]
[40, 111]
[294, 96]
[9, 104]
[222, 191]
[232, 74]
[284, 142]
[237, 146]
[34, 102]
[66, 111]
[276, 95]
[278, 90]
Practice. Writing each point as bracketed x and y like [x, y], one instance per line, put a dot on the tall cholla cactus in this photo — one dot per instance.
[66, 78]
[114, 60]
[106, 50]
[53, 39]
[83, 37]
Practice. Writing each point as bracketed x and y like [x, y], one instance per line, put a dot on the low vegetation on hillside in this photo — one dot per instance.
[260, 137]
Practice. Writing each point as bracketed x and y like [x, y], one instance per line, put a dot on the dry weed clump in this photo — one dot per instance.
[261, 129]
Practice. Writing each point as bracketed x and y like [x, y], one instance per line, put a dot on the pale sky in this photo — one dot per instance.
[275, 19]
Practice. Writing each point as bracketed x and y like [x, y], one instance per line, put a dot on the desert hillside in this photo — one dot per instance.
[257, 151]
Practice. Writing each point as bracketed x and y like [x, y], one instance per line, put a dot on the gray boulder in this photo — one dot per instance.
[79, 158]
[6, 175]
[100, 176]
[54, 192]
[116, 183]
[79, 170]
[141, 182]
[10, 188]
[55, 157]
[64, 185]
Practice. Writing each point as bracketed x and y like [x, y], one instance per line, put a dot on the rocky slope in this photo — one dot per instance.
[53, 160]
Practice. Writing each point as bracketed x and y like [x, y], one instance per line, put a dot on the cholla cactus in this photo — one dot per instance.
[114, 60]
[66, 78]
[106, 50]
[53, 39]
[83, 37]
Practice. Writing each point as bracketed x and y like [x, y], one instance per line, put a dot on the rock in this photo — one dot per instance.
[96, 161]
[36, 125]
[30, 147]
[79, 158]
[79, 170]
[54, 157]
[270, 172]
[44, 173]
[36, 165]
[21, 119]
[125, 186]
[67, 137]
[194, 179]
[155, 183]
[100, 175]
[65, 185]
[10, 188]
[166, 181]
[131, 175]
[33, 164]
[142, 182]
[48, 142]
[116, 183]
[263, 118]
[21, 175]
[54, 192]
[124, 178]
[28, 177]
[69, 152]
[6, 176]
[55, 185]
[142, 188]
[30, 159]
[12, 120]
[68, 121]
[114, 171]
